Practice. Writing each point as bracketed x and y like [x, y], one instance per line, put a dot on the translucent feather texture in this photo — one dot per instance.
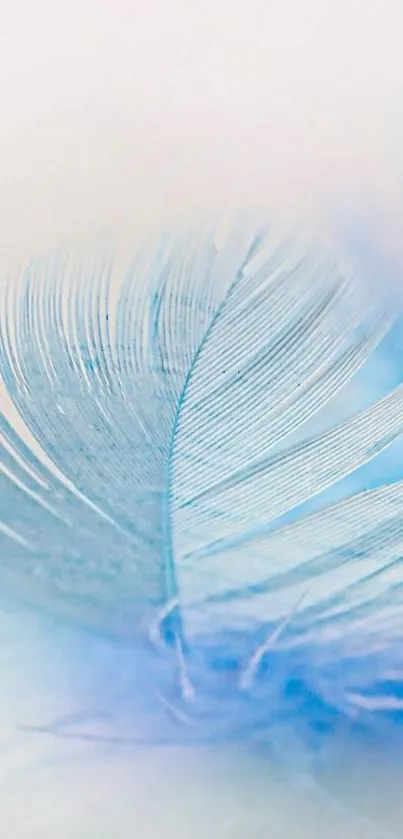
[184, 467]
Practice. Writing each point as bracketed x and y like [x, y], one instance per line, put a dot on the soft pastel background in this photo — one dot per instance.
[126, 115]
[120, 112]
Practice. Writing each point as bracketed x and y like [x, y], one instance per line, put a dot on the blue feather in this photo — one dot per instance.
[170, 470]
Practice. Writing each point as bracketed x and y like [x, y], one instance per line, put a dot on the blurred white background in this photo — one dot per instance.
[124, 112]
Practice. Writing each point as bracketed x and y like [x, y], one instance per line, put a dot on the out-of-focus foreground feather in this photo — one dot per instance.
[184, 469]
